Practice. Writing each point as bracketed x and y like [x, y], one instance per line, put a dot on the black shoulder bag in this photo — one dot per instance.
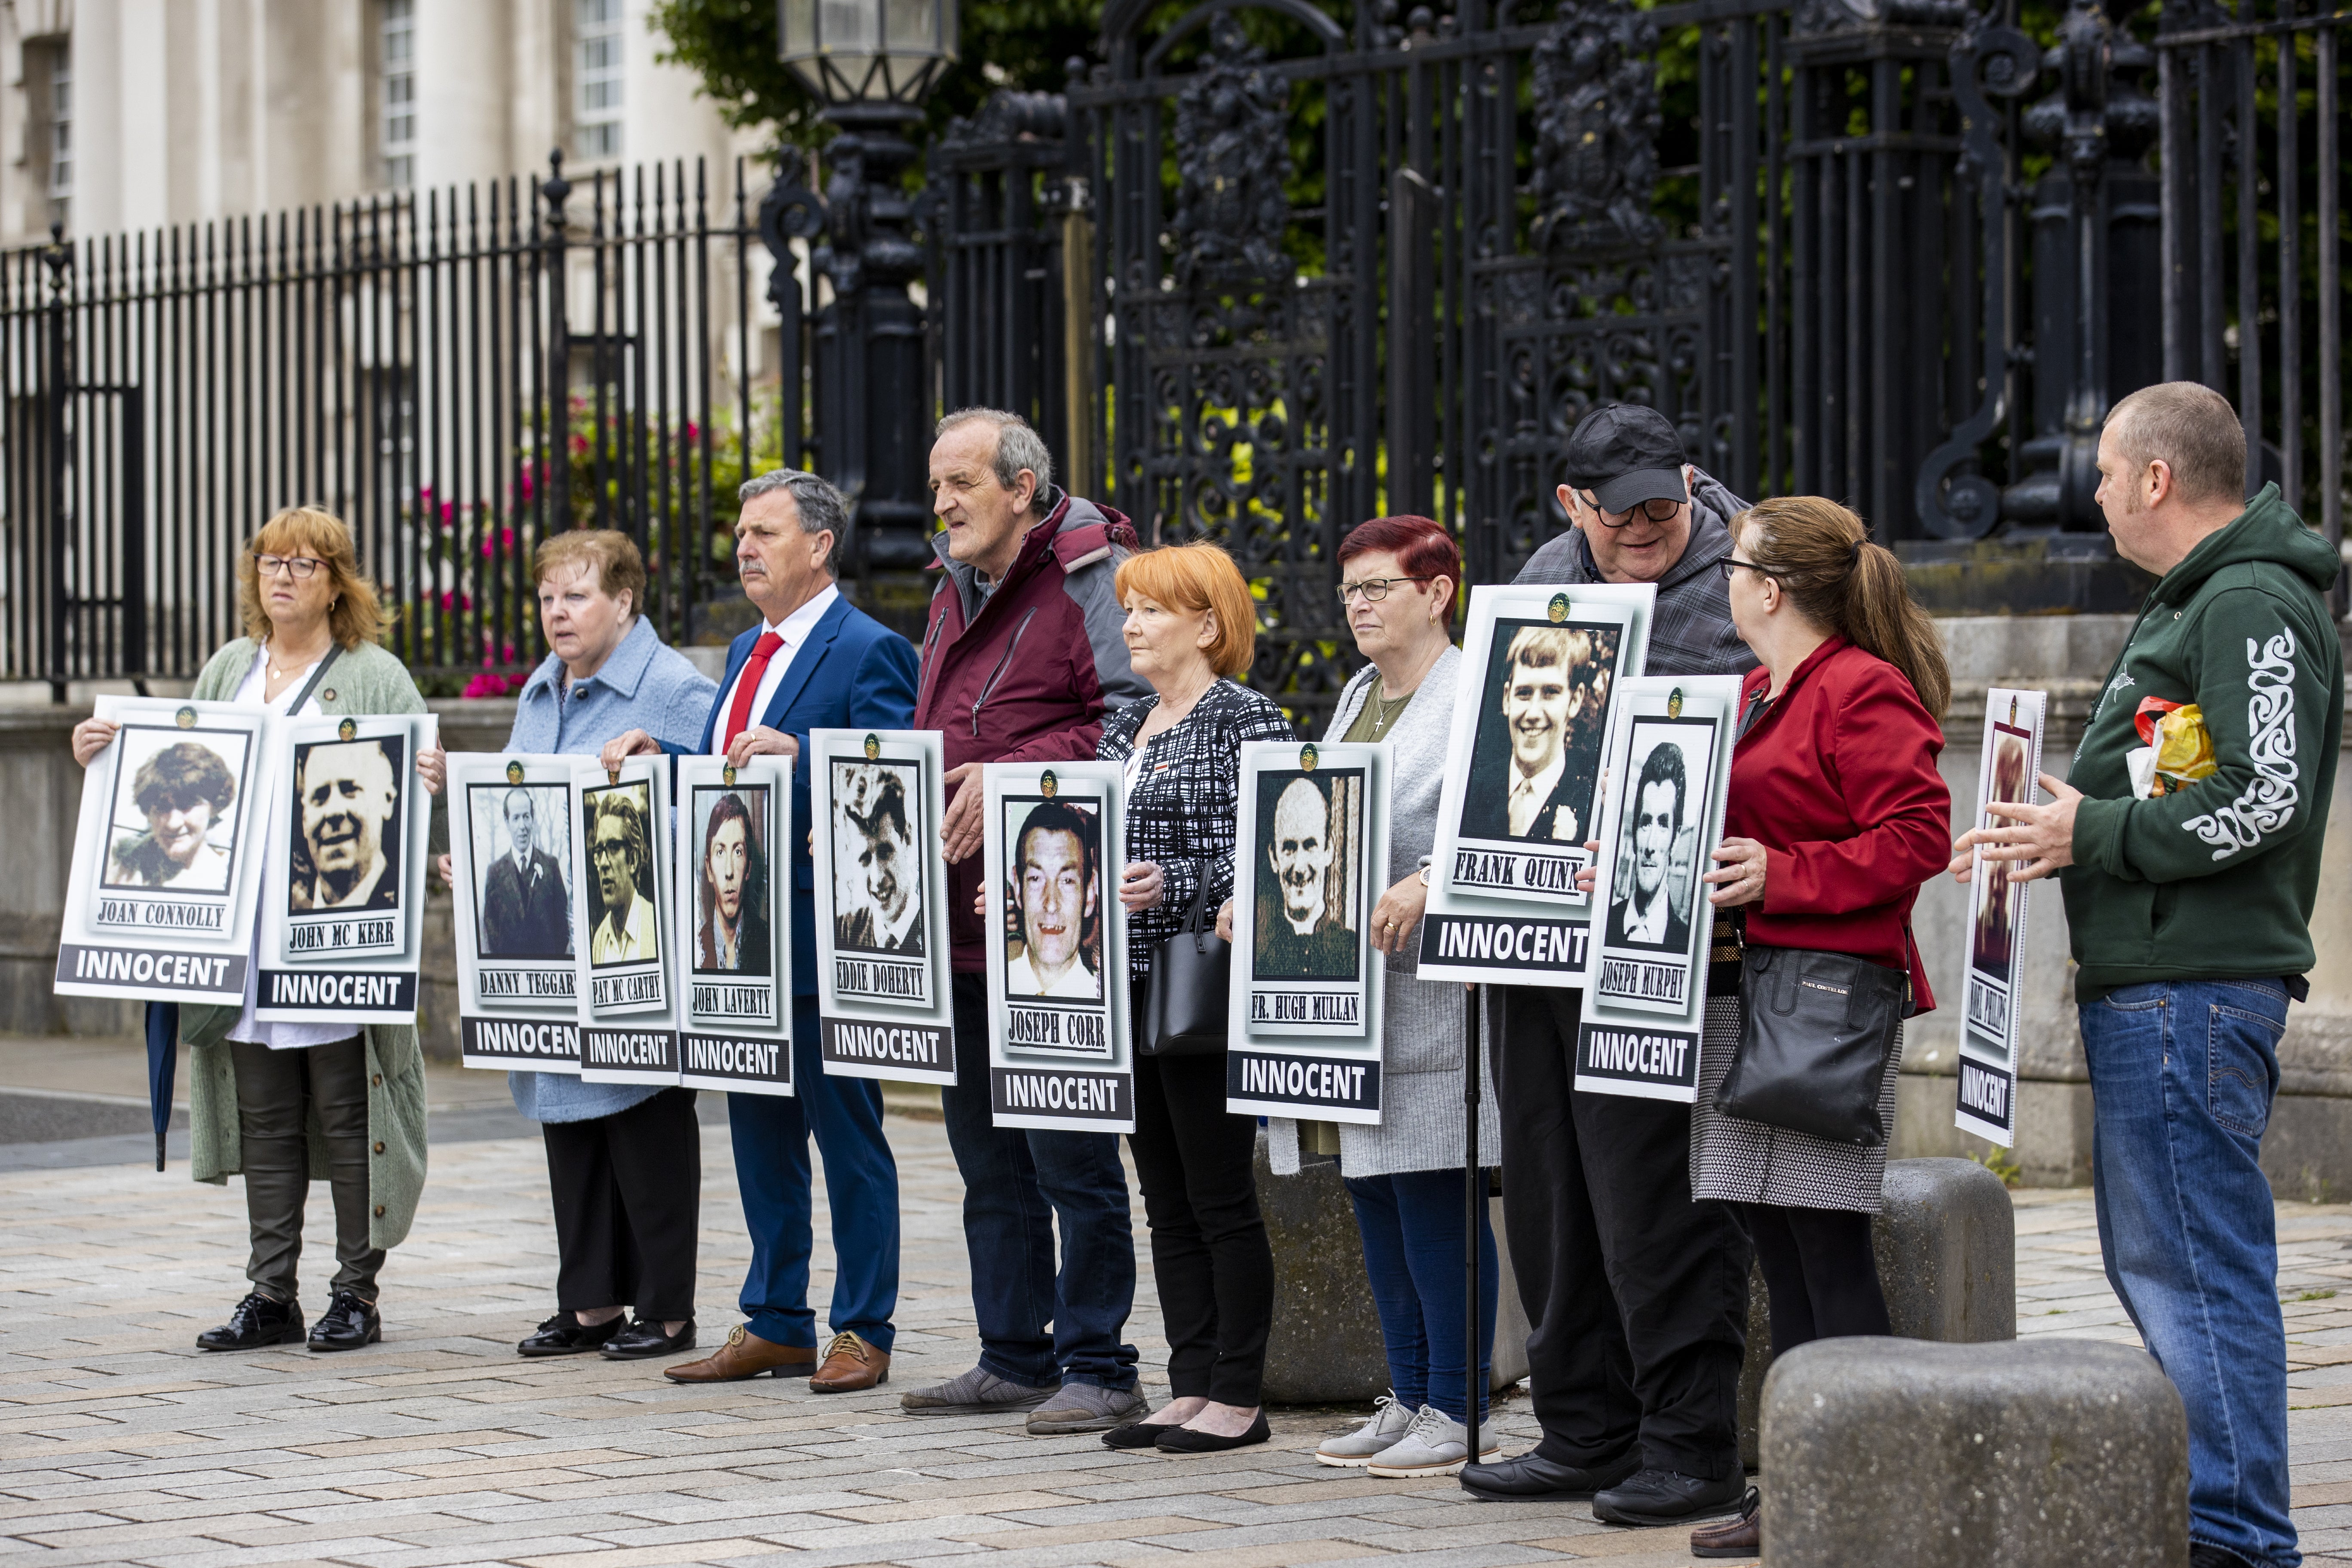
[1185, 1010]
[1814, 1035]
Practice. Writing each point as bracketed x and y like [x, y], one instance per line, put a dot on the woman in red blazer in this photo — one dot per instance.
[1836, 817]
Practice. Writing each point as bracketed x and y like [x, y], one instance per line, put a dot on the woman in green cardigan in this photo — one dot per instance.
[287, 1103]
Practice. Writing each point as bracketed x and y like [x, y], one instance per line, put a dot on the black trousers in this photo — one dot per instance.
[1820, 1271]
[1636, 1296]
[628, 1200]
[1196, 1164]
[276, 1092]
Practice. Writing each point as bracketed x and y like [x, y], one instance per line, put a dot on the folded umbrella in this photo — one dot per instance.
[162, 1061]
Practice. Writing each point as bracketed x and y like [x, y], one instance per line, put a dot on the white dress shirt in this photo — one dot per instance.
[1528, 793]
[795, 630]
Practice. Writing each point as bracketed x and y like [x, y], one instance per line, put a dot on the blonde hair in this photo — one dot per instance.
[1196, 577]
[353, 616]
[619, 568]
[1822, 556]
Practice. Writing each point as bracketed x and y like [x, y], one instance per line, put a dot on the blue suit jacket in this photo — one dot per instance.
[852, 673]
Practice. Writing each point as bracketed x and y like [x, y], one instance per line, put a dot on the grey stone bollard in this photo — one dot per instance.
[2048, 1454]
[1325, 1347]
[1946, 1247]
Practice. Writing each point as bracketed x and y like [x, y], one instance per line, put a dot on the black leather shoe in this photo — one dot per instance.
[253, 1323]
[346, 1324]
[564, 1335]
[1138, 1434]
[642, 1340]
[1531, 1477]
[1185, 1440]
[1668, 1497]
[2205, 1554]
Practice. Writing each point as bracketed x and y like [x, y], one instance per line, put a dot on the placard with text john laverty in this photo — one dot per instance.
[876, 798]
[1059, 1052]
[733, 939]
[1303, 1036]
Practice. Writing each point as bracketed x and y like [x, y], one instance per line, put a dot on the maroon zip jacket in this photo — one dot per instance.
[1023, 675]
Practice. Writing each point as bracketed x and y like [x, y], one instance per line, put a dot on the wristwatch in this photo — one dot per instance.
[1424, 875]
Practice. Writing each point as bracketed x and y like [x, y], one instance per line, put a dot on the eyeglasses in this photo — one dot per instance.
[1657, 509]
[299, 567]
[1374, 589]
[1731, 564]
[609, 852]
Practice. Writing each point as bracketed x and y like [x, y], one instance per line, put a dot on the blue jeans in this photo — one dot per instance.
[2182, 1075]
[771, 1135]
[1411, 1224]
[1038, 1327]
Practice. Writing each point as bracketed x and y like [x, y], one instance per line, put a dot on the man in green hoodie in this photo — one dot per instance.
[2189, 873]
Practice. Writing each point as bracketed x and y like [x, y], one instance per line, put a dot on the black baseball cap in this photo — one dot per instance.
[1625, 454]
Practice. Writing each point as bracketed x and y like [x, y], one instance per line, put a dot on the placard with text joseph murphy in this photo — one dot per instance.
[2006, 770]
[624, 926]
[512, 829]
[877, 798]
[734, 906]
[1304, 1029]
[342, 926]
[165, 879]
[1054, 839]
[1540, 673]
[1669, 777]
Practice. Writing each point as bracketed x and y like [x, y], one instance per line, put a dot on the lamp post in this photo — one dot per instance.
[871, 62]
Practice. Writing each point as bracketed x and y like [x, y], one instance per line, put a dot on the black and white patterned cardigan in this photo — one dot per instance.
[1181, 814]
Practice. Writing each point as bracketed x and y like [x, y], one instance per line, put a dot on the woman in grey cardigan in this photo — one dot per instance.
[1405, 1175]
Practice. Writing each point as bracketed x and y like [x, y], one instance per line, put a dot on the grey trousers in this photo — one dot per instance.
[275, 1090]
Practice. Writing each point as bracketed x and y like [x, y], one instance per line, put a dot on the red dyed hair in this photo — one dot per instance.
[1421, 545]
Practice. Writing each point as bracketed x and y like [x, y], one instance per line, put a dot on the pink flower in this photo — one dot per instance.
[448, 513]
[508, 653]
[579, 445]
[488, 685]
[693, 431]
[507, 540]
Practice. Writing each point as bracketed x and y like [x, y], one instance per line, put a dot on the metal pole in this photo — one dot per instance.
[1473, 1195]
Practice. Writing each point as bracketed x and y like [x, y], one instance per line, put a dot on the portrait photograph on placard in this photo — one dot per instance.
[1535, 765]
[732, 828]
[172, 827]
[522, 838]
[879, 902]
[1054, 898]
[1309, 915]
[1654, 888]
[623, 921]
[1993, 929]
[343, 850]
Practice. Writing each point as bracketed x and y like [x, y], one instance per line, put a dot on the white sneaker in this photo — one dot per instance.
[1351, 1450]
[1434, 1445]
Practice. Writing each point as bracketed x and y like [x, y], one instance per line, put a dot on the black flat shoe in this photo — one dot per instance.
[564, 1335]
[346, 1324]
[1135, 1434]
[1185, 1440]
[1531, 1477]
[642, 1340]
[1668, 1497]
[253, 1322]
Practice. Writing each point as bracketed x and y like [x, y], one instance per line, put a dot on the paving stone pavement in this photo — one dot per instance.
[120, 1444]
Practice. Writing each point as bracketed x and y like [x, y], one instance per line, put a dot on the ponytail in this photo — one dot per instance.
[1822, 556]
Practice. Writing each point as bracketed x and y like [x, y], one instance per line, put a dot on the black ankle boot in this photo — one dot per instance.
[253, 1323]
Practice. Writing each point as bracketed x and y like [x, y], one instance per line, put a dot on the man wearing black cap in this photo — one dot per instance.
[1637, 1295]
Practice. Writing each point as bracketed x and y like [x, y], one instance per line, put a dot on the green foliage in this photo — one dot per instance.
[2001, 1162]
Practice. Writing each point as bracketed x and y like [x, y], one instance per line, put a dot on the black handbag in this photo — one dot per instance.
[1191, 972]
[1816, 1031]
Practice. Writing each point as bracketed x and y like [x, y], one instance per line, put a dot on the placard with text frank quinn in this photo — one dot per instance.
[1669, 773]
[1057, 986]
[511, 829]
[884, 1011]
[733, 941]
[165, 879]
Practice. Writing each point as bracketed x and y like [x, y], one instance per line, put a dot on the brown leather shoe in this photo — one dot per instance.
[745, 1355]
[1741, 1537]
[851, 1366]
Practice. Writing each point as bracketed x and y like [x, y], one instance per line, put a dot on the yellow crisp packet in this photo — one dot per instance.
[2180, 748]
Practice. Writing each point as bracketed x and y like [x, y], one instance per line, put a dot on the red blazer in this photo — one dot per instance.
[1837, 779]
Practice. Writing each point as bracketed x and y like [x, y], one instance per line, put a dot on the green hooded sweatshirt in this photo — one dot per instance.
[2217, 880]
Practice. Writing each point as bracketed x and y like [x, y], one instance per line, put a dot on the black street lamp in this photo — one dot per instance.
[872, 62]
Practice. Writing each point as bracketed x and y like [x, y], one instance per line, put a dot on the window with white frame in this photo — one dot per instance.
[596, 84]
[61, 138]
[396, 91]
[48, 131]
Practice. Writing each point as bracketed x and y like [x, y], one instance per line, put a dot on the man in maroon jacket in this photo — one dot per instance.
[1022, 655]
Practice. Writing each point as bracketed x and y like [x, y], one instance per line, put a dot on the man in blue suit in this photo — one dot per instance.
[816, 663]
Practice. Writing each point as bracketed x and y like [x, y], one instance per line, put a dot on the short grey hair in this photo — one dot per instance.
[2191, 430]
[1018, 446]
[821, 507]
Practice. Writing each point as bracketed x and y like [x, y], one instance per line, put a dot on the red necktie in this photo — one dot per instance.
[755, 669]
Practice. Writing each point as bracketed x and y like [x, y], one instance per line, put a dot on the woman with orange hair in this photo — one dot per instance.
[1190, 628]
